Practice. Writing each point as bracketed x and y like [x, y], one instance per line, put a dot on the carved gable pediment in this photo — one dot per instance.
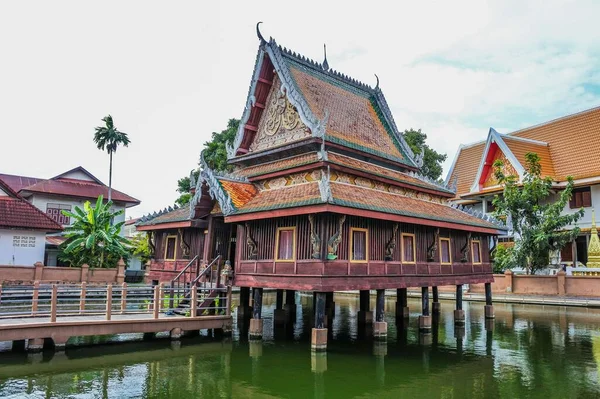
[280, 123]
[508, 169]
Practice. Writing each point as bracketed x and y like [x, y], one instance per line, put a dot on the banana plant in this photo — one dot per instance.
[92, 239]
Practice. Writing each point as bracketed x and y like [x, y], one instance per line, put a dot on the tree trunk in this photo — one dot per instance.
[110, 177]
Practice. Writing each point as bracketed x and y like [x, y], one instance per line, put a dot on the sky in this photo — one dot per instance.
[171, 73]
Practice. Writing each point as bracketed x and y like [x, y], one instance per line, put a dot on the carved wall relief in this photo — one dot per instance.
[151, 238]
[432, 248]
[466, 249]
[185, 246]
[280, 122]
[334, 241]
[252, 247]
[391, 244]
[315, 240]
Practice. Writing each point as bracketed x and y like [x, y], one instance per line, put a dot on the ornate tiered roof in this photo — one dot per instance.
[566, 147]
[314, 140]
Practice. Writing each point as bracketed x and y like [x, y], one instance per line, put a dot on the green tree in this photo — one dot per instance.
[215, 155]
[536, 219]
[140, 248]
[183, 188]
[432, 160]
[92, 238]
[108, 138]
[215, 151]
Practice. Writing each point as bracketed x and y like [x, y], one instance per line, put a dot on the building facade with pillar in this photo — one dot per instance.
[325, 195]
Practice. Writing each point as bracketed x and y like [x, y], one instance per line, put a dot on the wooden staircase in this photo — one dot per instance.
[208, 289]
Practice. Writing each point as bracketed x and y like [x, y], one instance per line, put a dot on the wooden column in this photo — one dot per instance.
[402, 310]
[319, 332]
[365, 316]
[489, 307]
[380, 326]
[256, 323]
[244, 310]
[290, 304]
[279, 313]
[208, 241]
[425, 318]
[459, 313]
[435, 306]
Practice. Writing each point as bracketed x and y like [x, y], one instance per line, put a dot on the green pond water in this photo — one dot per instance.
[531, 352]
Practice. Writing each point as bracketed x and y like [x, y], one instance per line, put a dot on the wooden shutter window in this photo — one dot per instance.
[170, 247]
[358, 245]
[476, 249]
[445, 257]
[408, 248]
[286, 244]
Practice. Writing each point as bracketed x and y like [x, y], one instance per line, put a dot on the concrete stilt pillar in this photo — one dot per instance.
[425, 318]
[459, 313]
[436, 306]
[60, 343]
[176, 333]
[243, 310]
[319, 332]
[279, 313]
[402, 310]
[256, 323]
[380, 326]
[365, 316]
[489, 307]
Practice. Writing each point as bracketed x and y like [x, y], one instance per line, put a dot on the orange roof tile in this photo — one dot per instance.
[280, 164]
[240, 193]
[364, 198]
[519, 148]
[573, 143]
[289, 196]
[466, 166]
[354, 163]
[352, 119]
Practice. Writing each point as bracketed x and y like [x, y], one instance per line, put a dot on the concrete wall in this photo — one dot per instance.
[559, 284]
[27, 249]
[39, 272]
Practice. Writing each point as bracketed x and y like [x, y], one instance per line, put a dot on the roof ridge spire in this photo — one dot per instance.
[260, 36]
[325, 63]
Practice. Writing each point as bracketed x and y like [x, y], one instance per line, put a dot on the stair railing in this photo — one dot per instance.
[183, 277]
[207, 272]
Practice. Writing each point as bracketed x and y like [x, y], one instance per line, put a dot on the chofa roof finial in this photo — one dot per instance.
[325, 63]
[377, 85]
[260, 36]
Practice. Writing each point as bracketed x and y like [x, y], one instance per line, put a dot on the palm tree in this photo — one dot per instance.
[92, 238]
[109, 138]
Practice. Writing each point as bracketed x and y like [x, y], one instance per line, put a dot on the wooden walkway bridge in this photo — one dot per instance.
[38, 315]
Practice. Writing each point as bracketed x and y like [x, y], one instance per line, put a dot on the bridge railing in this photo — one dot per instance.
[55, 301]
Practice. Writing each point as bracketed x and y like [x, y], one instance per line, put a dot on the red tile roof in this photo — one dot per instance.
[78, 188]
[16, 183]
[289, 196]
[239, 192]
[15, 212]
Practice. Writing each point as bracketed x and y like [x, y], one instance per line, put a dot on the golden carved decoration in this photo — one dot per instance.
[508, 169]
[280, 123]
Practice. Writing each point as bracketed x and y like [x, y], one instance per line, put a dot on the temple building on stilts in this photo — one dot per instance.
[325, 195]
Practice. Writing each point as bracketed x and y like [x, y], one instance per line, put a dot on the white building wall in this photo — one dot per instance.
[25, 250]
[41, 201]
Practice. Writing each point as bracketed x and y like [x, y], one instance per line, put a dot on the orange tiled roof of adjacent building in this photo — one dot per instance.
[519, 148]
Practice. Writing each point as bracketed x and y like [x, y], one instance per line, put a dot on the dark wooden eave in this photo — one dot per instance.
[199, 224]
